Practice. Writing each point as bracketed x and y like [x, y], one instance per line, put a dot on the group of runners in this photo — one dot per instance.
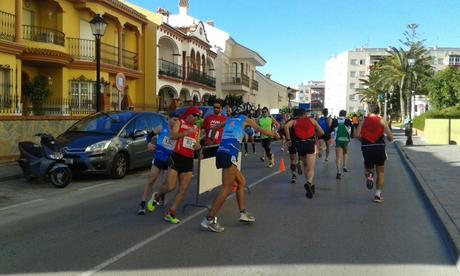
[175, 143]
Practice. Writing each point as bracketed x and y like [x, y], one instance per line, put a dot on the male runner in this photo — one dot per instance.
[371, 132]
[187, 136]
[162, 146]
[227, 159]
[295, 162]
[326, 123]
[342, 127]
[305, 129]
[210, 122]
[266, 122]
[249, 135]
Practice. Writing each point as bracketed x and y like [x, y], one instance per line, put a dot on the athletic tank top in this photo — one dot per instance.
[185, 146]
[233, 135]
[372, 131]
[304, 129]
[265, 124]
[164, 144]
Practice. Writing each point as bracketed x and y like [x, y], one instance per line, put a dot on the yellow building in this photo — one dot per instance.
[53, 39]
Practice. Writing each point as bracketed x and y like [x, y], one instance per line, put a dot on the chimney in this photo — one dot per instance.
[184, 7]
[269, 76]
[210, 22]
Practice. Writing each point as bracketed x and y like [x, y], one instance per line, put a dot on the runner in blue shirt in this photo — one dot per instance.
[227, 160]
[250, 133]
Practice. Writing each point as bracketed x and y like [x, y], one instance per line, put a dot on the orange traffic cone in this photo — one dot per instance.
[282, 166]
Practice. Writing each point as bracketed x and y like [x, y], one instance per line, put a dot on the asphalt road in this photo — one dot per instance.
[92, 227]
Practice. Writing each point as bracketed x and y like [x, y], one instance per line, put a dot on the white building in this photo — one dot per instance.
[344, 71]
[312, 92]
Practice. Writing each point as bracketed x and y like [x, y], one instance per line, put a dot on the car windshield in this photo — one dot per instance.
[102, 123]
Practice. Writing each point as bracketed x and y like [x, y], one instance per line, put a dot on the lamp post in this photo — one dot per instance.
[411, 63]
[98, 26]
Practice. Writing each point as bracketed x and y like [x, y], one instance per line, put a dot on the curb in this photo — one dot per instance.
[450, 232]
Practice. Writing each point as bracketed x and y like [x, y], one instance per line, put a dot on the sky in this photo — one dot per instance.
[297, 37]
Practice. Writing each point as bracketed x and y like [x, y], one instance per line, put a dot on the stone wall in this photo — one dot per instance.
[15, 130]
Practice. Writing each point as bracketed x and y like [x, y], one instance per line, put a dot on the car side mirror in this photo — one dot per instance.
[139, 133]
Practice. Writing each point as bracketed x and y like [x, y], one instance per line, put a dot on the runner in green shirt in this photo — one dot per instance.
[266, 122]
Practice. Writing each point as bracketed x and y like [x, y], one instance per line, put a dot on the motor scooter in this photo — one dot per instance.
[44, 161]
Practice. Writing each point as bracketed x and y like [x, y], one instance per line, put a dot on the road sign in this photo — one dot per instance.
[120, 81]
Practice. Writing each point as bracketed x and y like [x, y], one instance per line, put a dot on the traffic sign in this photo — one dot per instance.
[120, 81]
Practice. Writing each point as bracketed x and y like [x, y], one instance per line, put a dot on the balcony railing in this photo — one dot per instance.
[7, 26]
[81, 49]
[109, 54]
[200, 77]
[255, 85]
[170, 69]
[237, 79]
[129, 59]
[42, 34]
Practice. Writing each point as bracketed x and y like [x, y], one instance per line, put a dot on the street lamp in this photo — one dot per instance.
[98, 26]
[411, 63]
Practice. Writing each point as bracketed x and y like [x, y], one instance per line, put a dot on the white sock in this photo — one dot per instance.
[377, 193]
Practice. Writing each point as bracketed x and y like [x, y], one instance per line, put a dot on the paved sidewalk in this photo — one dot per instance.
[9, 171]
[437, 169]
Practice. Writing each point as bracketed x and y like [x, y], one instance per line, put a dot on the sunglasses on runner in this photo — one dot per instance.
[196, 115]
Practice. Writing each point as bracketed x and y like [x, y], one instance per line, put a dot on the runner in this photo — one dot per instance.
[294, 160]
[162, 146]
[210, 122]
[371, 132]
[266, 122]
[227, 158]
[355, 122]
[186, 135]
[281, 119]
[342, 127]
[249, 135]
[326, 124]
[305, 129]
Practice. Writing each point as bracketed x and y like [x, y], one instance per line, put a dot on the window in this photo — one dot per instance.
[362, 73]
[352, 85]
[353, 62]
[83, 94]
[454, 60]
[6, 87]
[353, 74]
[362, 62]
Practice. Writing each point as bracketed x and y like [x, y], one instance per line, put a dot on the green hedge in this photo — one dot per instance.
[451, 112]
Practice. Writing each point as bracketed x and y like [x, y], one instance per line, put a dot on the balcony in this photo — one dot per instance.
[200, 77]
[255, 85]
[167, 68]
[81, 49]
[129, 59]
[7, 26]
[42, 34]
[236, 83]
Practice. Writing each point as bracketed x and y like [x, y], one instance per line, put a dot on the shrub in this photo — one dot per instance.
[447, 113]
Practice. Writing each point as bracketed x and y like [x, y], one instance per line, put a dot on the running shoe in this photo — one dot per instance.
[313, 189]
[262, 159]
[338, 176]
[153, 202]
[378, 199]
[309, 192]
[245, 154]
[271, 162]
[327, 159]
[319, 155]
[142, 210]
[299, 167]
[246, 217]
[370, 180]
[171, 218]
[282, 149]
[345, 169]
[212, 225]
[294, 179]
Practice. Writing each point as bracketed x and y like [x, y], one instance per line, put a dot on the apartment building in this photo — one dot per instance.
[344, 71]
[312, 92]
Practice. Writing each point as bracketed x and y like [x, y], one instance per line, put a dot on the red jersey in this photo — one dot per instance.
[210, 122]
[185, 146]
[304, 128]
[372, 130]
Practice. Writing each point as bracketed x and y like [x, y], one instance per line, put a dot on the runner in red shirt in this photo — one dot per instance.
[209, 123]
[187, 136]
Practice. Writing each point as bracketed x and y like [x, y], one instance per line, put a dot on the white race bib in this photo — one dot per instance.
[189, 143]
[168, 143]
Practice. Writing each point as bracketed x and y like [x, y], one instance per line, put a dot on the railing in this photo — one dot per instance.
[42, 34]
[109, 54]
[129, 59]
[255, 85]
[237, 79]
[170, 69]
[200, 77]
[7, 26]
[63, 107]
[81, 49]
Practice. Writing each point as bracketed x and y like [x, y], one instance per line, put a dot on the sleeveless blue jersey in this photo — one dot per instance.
[233, 135]
[250, 131]
[164, 144]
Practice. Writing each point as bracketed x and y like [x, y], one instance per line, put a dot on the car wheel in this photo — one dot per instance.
[120, 166]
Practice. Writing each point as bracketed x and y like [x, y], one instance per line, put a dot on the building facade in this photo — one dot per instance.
[343, 73]
[51, 42]
[312, 92]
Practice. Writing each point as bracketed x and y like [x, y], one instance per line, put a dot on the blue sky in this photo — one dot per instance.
[296, 37]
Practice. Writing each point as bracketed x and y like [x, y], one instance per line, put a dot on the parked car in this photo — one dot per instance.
[110, 143]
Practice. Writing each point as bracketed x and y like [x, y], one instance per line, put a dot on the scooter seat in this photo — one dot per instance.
[30, 148]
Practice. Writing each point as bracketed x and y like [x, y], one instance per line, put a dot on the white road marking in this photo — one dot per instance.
[156, 236]
[22, 204]
[97, 186]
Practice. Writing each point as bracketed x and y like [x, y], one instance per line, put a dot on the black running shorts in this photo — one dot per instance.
[225, 160]
[305, 147]
[293, 148]
[374, 155]
[162, 165]
[180, 163]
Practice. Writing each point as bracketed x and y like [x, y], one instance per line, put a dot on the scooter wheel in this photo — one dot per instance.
[60, 177]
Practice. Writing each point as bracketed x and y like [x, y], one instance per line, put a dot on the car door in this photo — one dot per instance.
[138, 146]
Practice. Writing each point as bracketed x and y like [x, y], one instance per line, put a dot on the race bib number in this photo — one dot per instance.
[189, 143]
[216, 136]
[168, 143]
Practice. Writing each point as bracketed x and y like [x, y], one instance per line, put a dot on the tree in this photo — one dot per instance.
[444, 88]
[37, 91]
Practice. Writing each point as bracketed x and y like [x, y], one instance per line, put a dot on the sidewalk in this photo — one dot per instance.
[437, 170]
[9, 171]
